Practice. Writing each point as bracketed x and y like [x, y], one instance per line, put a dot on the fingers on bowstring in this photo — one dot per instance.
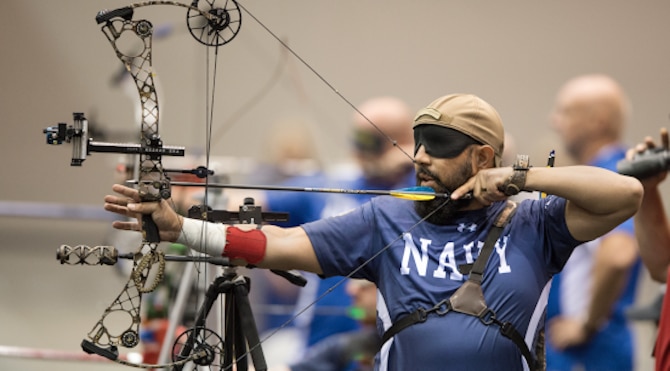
[463, 189]
[482, 191]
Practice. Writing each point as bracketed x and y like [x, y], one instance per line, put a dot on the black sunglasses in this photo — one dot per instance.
[440, 141]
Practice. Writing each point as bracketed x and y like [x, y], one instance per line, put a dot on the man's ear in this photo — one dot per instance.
[485, 157]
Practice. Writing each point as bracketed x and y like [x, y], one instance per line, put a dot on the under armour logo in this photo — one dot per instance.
[470, 228]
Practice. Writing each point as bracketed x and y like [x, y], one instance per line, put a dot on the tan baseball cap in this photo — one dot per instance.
[469, 115]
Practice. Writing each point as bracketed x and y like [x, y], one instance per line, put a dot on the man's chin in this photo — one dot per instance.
[440, 211]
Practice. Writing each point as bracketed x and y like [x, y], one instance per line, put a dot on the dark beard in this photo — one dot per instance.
[444, 208]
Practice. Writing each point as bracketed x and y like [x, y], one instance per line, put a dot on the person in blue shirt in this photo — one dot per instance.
[418, 253]
[588, 299]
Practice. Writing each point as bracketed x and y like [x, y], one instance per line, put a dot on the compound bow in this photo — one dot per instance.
[211, 26]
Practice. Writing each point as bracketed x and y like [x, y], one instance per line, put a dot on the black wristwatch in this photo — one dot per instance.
[517, 181]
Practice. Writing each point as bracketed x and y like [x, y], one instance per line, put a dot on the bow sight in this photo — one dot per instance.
[82, 145]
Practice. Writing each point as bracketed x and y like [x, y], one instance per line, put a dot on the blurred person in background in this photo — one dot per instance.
[586, 324]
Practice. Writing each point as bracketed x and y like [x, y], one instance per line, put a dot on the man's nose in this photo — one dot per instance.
[421, 156]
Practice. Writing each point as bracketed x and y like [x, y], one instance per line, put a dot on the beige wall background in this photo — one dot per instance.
[55, 61]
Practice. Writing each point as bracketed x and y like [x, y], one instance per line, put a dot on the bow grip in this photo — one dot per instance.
[150, 230]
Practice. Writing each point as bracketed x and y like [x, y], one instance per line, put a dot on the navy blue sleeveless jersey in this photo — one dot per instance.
[415, 264]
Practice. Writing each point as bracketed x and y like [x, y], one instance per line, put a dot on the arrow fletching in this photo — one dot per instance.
[414, 193]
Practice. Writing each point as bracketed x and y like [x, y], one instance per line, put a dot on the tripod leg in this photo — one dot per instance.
[231, 329]
[248, 324]
[241, 356]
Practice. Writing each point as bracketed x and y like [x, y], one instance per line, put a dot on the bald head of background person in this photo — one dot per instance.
[590, 112]
[587, 299]
[380, 162]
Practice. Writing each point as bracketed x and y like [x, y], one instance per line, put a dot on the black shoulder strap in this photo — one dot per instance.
[476, 270]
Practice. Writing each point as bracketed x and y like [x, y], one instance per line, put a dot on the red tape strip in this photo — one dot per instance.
[248, 245]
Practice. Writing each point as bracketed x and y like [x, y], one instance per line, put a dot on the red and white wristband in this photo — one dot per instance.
[220, 239]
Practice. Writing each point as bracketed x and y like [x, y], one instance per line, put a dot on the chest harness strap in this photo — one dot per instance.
[469, 298]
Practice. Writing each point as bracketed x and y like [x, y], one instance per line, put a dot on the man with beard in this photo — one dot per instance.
[419, 255]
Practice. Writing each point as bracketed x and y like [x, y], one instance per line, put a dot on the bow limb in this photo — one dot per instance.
[148, 261]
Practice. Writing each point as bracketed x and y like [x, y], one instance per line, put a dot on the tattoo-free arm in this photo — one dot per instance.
[598, 199]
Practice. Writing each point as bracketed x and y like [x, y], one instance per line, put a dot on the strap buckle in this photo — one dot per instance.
[488, 317]
[421, 315]
[440, 308]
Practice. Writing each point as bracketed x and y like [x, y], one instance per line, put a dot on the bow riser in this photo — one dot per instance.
[211, 26]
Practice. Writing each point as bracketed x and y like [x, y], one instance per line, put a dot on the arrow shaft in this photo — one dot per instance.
[395, 193]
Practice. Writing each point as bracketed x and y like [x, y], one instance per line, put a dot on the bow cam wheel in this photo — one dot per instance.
[213, 25]
[205, 342]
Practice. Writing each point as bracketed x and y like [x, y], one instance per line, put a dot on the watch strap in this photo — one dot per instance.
[517, 181]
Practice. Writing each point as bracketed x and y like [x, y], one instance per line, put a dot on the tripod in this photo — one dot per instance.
[241, 332]
[240, 327]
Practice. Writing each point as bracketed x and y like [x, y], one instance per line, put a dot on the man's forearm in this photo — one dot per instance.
[597, 190]
[598, 199]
